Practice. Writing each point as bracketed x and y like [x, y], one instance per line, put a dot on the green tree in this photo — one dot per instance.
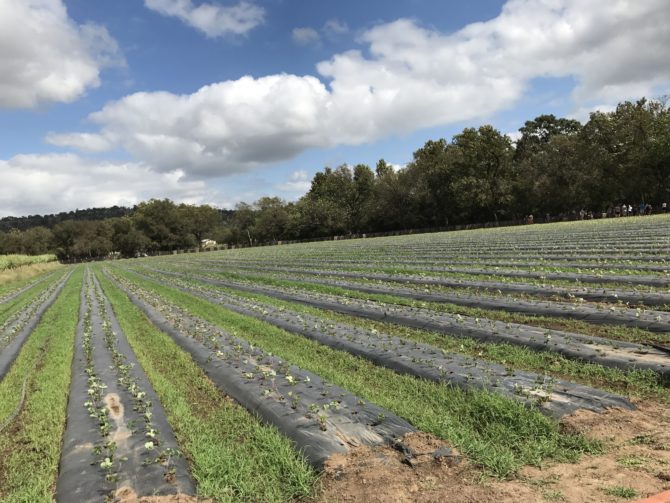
[37, 241]
[200, 221]
[483, 172]
[127, 238]
[272, 219]
[164, 224]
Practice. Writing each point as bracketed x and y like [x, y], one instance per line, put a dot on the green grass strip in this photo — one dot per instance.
[638, 383]
[617, 332]
[494, 432]
[30, 446]
[17, 304]
[233, 456]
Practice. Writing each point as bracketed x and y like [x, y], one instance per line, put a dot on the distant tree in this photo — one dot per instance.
[483, 160]
[244, 221]
[37, 241]
[272, 219]
[65, 236]
[11, 242]
[429, 180]
[537, 133]
[161, 221]
[200, 220]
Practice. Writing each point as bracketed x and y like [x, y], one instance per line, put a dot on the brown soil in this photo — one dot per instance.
[637, 456]
[127, 495]
[114, 406]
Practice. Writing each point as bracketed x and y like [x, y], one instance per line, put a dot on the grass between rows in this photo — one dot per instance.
[494, 432]
[30, 446]
[233, 457]
[498, 278]
[20, 302]
[637, 383]
[607, 331]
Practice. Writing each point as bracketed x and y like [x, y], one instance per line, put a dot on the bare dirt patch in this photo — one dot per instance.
[114, 406]
[383, 474]
[127, 495]
[636, 459]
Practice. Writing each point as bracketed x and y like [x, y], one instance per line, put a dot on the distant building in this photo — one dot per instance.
[208, 244]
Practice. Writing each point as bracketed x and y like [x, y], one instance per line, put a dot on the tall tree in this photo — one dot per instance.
[482, 159]
[200, 220]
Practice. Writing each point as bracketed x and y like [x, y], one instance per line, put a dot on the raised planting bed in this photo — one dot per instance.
[493, 261]
[554, 397]
[13, 293]
[646, 319]
[17, 328]
[636, 298]
[117, 442]
[571, 271]
[599, 350]
[322, 419]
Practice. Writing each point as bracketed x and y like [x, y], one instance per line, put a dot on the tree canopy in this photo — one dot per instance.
[557, 166]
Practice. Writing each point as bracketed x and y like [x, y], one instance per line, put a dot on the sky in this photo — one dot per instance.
[216, 102]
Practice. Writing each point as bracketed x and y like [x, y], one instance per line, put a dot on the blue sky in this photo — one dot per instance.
[219, 102]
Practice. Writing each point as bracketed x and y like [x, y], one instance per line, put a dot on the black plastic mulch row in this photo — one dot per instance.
[17, 329]
[320, 418]
[12, 294]
[450, 265]
[553, 397]
[626, 279]
[620, 354]
[591, 294]
[564, 276]
[138, 439]
[654, 321]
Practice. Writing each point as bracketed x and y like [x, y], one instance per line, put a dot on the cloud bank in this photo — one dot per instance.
[50, 183]
[46, 57]
[405, 77]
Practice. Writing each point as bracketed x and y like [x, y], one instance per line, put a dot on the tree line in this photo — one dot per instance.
[556, 167]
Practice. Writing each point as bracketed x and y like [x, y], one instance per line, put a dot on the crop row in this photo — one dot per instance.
[553, 396]
[436, 263]
[118, 440]
[619, 314]
[632, 297]
[598, 350]
[16, 328]
[461, 417]
[322, 419]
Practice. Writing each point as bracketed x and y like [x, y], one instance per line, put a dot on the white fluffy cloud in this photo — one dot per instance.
[305, 36]
[87, 142]
[48, 183]
[298, 183]
[222, 129]
[47, 57]
[213, 20]
[409, 77]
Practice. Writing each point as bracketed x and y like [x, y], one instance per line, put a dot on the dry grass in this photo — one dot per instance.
[26, 272]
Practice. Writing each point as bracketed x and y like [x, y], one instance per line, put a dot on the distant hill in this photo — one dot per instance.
[30, 221]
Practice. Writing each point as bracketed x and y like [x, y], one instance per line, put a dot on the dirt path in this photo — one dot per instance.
[636, 464]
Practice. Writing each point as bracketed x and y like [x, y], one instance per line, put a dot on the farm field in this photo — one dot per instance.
[17, 269]
[513, 364]
[14, 261]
